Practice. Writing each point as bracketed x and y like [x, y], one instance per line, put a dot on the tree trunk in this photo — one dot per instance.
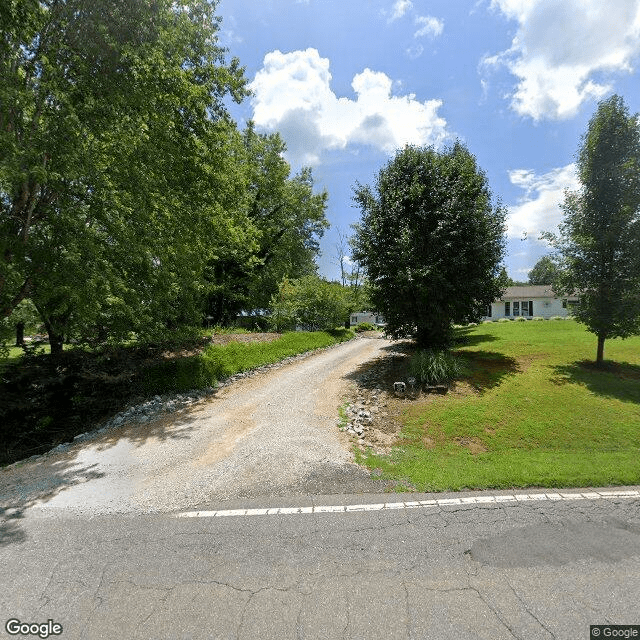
[20, 334]
[600, 355]
[56, 341]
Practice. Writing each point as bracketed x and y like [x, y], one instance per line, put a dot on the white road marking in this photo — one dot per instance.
[443, 502]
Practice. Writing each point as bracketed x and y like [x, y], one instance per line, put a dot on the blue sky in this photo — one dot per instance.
[346, 82]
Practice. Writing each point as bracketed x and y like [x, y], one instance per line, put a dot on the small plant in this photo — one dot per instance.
[365, 326]
[537, 318]
[504, 320]
[520, 319]
[434, 367]
[556, 318]
[344, 418]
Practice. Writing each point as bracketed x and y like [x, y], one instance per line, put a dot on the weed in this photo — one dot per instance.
[434, 367]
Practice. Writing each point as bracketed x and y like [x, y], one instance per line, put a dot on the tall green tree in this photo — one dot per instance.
[599, 239]
[545, 271]
[431, 242]
[114, 133]
[311, 302]
[287, 218]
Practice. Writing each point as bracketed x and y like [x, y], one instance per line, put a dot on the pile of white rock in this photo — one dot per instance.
[359, 415]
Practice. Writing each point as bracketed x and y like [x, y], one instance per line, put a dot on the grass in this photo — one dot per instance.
[532, 411]
[221, 361]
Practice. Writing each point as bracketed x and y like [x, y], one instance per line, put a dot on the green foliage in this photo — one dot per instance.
[599, 240]
[287, 220]
[365, 326]
[434, 367]
[431, 242]
[311, 302]
[118, 177]
[545, 271]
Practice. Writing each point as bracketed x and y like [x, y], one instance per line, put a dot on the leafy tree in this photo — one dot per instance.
[545, 271]
[287, 219]
[599, 240]
[311, 302]
[114, 136]
[431, 242]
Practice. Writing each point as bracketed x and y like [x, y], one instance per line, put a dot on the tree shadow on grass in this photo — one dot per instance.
[464, 338]
[488, 369]
[483, 370]
[620, 380]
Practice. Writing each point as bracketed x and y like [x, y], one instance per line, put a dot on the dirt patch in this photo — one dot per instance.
[475, 445]
[245, 338]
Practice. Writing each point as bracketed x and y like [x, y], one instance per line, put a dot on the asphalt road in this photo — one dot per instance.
[490, 570]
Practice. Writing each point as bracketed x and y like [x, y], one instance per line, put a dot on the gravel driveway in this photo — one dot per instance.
[272, 434]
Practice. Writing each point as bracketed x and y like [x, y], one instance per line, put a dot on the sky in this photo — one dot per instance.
[348, 82]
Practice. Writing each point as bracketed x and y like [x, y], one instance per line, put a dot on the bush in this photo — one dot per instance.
[537, 318]
[556, 318]
[504, 320]
[434, 367]
[365, 326]
[520, 319]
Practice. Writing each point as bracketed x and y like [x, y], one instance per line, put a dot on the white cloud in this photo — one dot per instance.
[292, 95]
[539, 208]
[400, 7]
[429, 26]
[415, 51]
[562, 50]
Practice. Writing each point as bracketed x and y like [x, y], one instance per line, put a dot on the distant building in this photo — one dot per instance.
[533, 300]
[366, 316]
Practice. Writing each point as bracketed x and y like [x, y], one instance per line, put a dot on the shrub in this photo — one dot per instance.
[520, 319]
[365, 326]
[537, 318]
[504, 320]
[556, 318]
[434, 367]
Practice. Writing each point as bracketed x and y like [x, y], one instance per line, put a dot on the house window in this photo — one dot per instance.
[487, 312]
[516, 307]
[507, 308]
[530, 307]
[354, 319]
[525, 308]
[564, 303]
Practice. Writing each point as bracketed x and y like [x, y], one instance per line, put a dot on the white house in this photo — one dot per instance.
[366, 316]
[528, 301]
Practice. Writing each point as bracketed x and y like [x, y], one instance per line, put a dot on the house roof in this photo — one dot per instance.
[529, 291]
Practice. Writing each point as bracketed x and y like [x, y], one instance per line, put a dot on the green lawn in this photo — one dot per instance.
[531, 411]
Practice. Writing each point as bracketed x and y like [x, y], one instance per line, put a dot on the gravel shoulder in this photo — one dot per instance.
[272, 434]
